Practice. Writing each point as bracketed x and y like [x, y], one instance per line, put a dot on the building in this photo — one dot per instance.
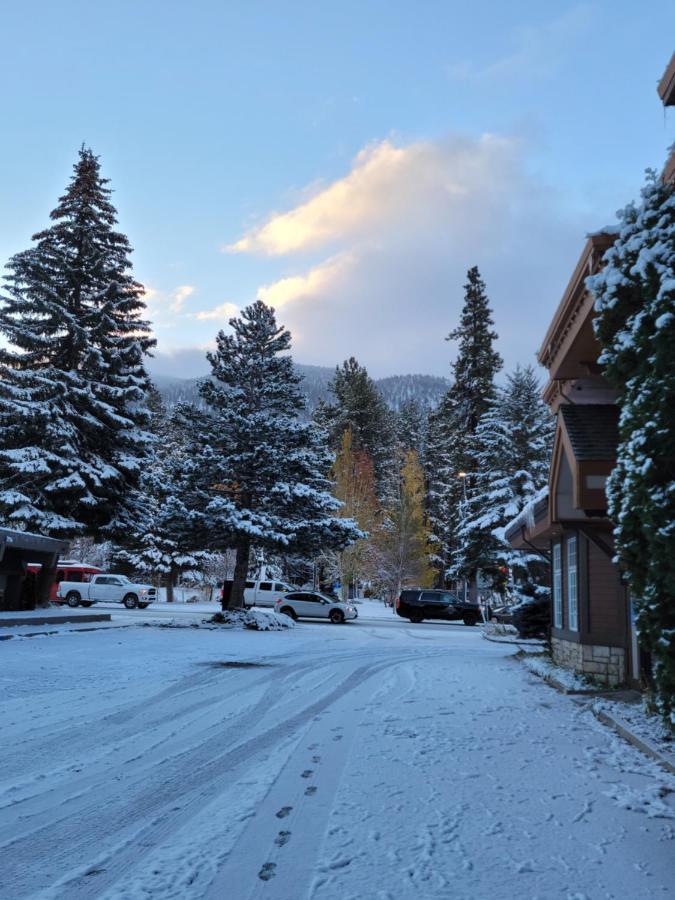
[20, 589]
[592, 624]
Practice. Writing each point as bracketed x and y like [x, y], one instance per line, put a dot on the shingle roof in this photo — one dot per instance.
[593, 430]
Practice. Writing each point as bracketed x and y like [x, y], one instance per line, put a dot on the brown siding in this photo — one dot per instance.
[607, 607]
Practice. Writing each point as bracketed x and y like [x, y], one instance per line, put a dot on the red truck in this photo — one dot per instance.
[67, 570]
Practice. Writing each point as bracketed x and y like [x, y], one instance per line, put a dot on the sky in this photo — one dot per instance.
[345, 162]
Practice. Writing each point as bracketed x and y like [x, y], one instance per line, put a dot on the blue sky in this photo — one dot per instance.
[347, 162]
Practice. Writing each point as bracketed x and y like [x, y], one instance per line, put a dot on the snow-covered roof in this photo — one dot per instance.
[526, 517]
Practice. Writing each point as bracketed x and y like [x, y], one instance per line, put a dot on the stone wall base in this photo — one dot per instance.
[605, 664]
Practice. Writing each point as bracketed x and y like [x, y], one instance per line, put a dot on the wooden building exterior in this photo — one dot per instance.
[592, 625]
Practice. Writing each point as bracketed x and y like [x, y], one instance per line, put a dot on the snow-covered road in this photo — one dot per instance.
[372, 760]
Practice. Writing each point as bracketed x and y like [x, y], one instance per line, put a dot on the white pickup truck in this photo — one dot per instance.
[106, 589]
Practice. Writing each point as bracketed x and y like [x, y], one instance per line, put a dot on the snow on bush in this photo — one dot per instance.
[255, 619]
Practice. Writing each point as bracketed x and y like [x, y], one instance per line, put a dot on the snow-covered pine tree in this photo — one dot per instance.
[359, 406]
[411, 427]
[451, 462]
[635, 324]
[73, 418]
[265, 468]
[513, 443]
[165, 538]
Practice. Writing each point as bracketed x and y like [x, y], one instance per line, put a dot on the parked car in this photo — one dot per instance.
[68, 570]
[106, 589]
[417, 605]
[313, 605]
[260, 593]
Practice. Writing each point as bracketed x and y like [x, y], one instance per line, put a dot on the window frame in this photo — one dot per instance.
[557, 583]
[572, 559]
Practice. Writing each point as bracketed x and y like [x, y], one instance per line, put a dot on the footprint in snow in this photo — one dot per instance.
[338, 737]
[311, 790]
[307, 773]
[282, 838]
[267, 871]
[316, 759]
[283, 812]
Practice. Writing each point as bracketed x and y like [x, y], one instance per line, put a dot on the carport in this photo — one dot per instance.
[17, 550]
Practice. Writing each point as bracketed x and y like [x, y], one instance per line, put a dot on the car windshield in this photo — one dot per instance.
[329, 599]
[123, 579]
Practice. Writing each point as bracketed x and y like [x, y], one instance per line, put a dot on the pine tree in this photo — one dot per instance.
[451, 461]
[635, 324]
[263, 467]
[411, 428]
[359, 406]
[513, 443]
[400, 549]
[354, 481]
[73, 421]
[164, 540]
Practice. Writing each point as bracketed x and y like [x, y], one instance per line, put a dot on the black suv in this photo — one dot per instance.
[417, 605]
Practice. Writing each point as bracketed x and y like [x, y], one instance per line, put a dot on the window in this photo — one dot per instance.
[265, 586]
[572, 597]
[557, 586]
[294, 596]
[250, 584]
[310, 598]
[281, 587]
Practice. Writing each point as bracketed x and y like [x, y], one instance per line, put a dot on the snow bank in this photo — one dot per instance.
[635, 718]
[568, 681]
[255, 619]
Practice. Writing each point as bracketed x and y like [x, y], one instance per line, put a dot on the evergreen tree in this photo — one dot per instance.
[451, 461]
[262, 467]
[513, 443]
[73, 420]
[635, 323]
[164, 540]
[411, 427]
[359, 406]
[400, 553]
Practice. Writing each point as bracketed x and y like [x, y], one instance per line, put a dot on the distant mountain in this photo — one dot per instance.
[426, 390]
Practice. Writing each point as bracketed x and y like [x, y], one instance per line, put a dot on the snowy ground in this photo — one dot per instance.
[370, 761]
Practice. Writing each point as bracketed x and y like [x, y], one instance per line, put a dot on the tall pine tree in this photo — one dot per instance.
[73, 416]
[635, 323]
[451, 460]
[263, 467]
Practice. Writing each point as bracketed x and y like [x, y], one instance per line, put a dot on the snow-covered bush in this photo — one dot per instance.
[635, 324]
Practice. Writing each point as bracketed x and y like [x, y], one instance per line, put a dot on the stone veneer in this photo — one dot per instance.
[605, 664]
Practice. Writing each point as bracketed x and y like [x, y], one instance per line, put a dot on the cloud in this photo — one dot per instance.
[539, 50]
[313, 283]
[397, 234]
[225, 311]
[178, 297]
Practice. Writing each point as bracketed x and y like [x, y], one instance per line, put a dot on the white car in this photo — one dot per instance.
[106, 589]
[313, 605]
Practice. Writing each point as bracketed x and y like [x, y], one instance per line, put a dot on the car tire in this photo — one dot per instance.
[416, 619]
[130, 601]
[86, 603]
[470, 620]
[73, 599]
[336, 616]
[290, 612]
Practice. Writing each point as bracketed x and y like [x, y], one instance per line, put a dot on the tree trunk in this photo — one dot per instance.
[169, 587]
[236, 600]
